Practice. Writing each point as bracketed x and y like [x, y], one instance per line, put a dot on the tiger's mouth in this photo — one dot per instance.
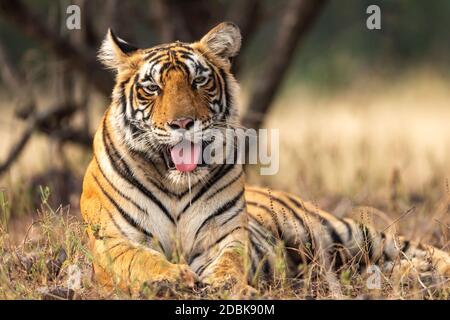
[185, 156]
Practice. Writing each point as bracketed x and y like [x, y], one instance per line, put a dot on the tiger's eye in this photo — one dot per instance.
[153, 87]
[149, 86]
[199, 80]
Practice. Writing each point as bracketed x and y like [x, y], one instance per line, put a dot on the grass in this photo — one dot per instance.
[381, 144]
[52, 262]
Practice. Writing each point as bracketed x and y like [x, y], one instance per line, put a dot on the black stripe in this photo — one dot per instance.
[260, 250]
[198, 254]
[337, 242]
[266, 268]
[202, 268]
[270, 213]
[123, 102]
[157, 184]
[131, 96]
[219, 84]
[384, 256]
[367, 239]
[155, 57]
[294, 256]
[406, 245]
[164, 67]
[122, 212]
[225, 186]
[333, 233]
[234, 215]
[127, 175]
[294, 213]
[116, 189]
[252, 256]
[120, 243]
[269, 237]
[301, 206]
[211, 260]
[224, 208]
[116, 224]
[183, 68]
[228, 101]
[121, 254]
[348, 228]
[130, 264]
[178, 195]
[222, 171]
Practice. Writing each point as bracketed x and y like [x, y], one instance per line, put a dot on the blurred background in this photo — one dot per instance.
[363, 114]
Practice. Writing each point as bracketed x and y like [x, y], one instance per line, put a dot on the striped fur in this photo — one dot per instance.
[148, 223]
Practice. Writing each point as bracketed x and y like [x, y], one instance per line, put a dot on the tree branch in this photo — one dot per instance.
[27, 21]
[79, 137]
[17, 149]
[297, 18]
[170, 21]
[10, 75]
[15, 81]
[246, 15]
[47, 122]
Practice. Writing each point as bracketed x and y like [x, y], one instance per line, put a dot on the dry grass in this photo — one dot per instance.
[379, 144]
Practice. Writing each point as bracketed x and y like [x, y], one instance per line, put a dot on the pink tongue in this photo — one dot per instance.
[185, 156]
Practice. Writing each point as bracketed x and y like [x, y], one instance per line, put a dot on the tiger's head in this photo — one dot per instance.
[166, 95]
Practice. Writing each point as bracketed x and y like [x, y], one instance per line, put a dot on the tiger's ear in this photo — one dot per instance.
[224, 40]
[115, 53]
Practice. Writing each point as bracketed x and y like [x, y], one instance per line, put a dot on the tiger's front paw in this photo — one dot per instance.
[230, 287]
[173, 283]
[180, 274]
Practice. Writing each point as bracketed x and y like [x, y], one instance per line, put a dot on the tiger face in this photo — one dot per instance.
[169, 98]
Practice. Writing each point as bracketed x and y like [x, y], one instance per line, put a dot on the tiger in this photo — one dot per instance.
[152, 218]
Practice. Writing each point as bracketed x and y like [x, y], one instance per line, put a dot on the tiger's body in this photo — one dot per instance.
[149, 222]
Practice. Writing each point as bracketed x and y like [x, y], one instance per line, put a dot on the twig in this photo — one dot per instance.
[442, 223]
[16, 83]
[17, 149]
[79, 137]
[78, 58]
[413, 267]
[407, 212]
[297, 18]
[10, 75]
[246, 15]
[45, 122]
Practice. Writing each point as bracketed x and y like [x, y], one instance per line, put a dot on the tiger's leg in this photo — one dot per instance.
[352, 242]
[402, 256]
[224, 267]
[362, 245]
[310, 232]
[120, 263]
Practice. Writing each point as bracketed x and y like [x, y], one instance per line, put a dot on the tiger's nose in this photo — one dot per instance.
[182, 123]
